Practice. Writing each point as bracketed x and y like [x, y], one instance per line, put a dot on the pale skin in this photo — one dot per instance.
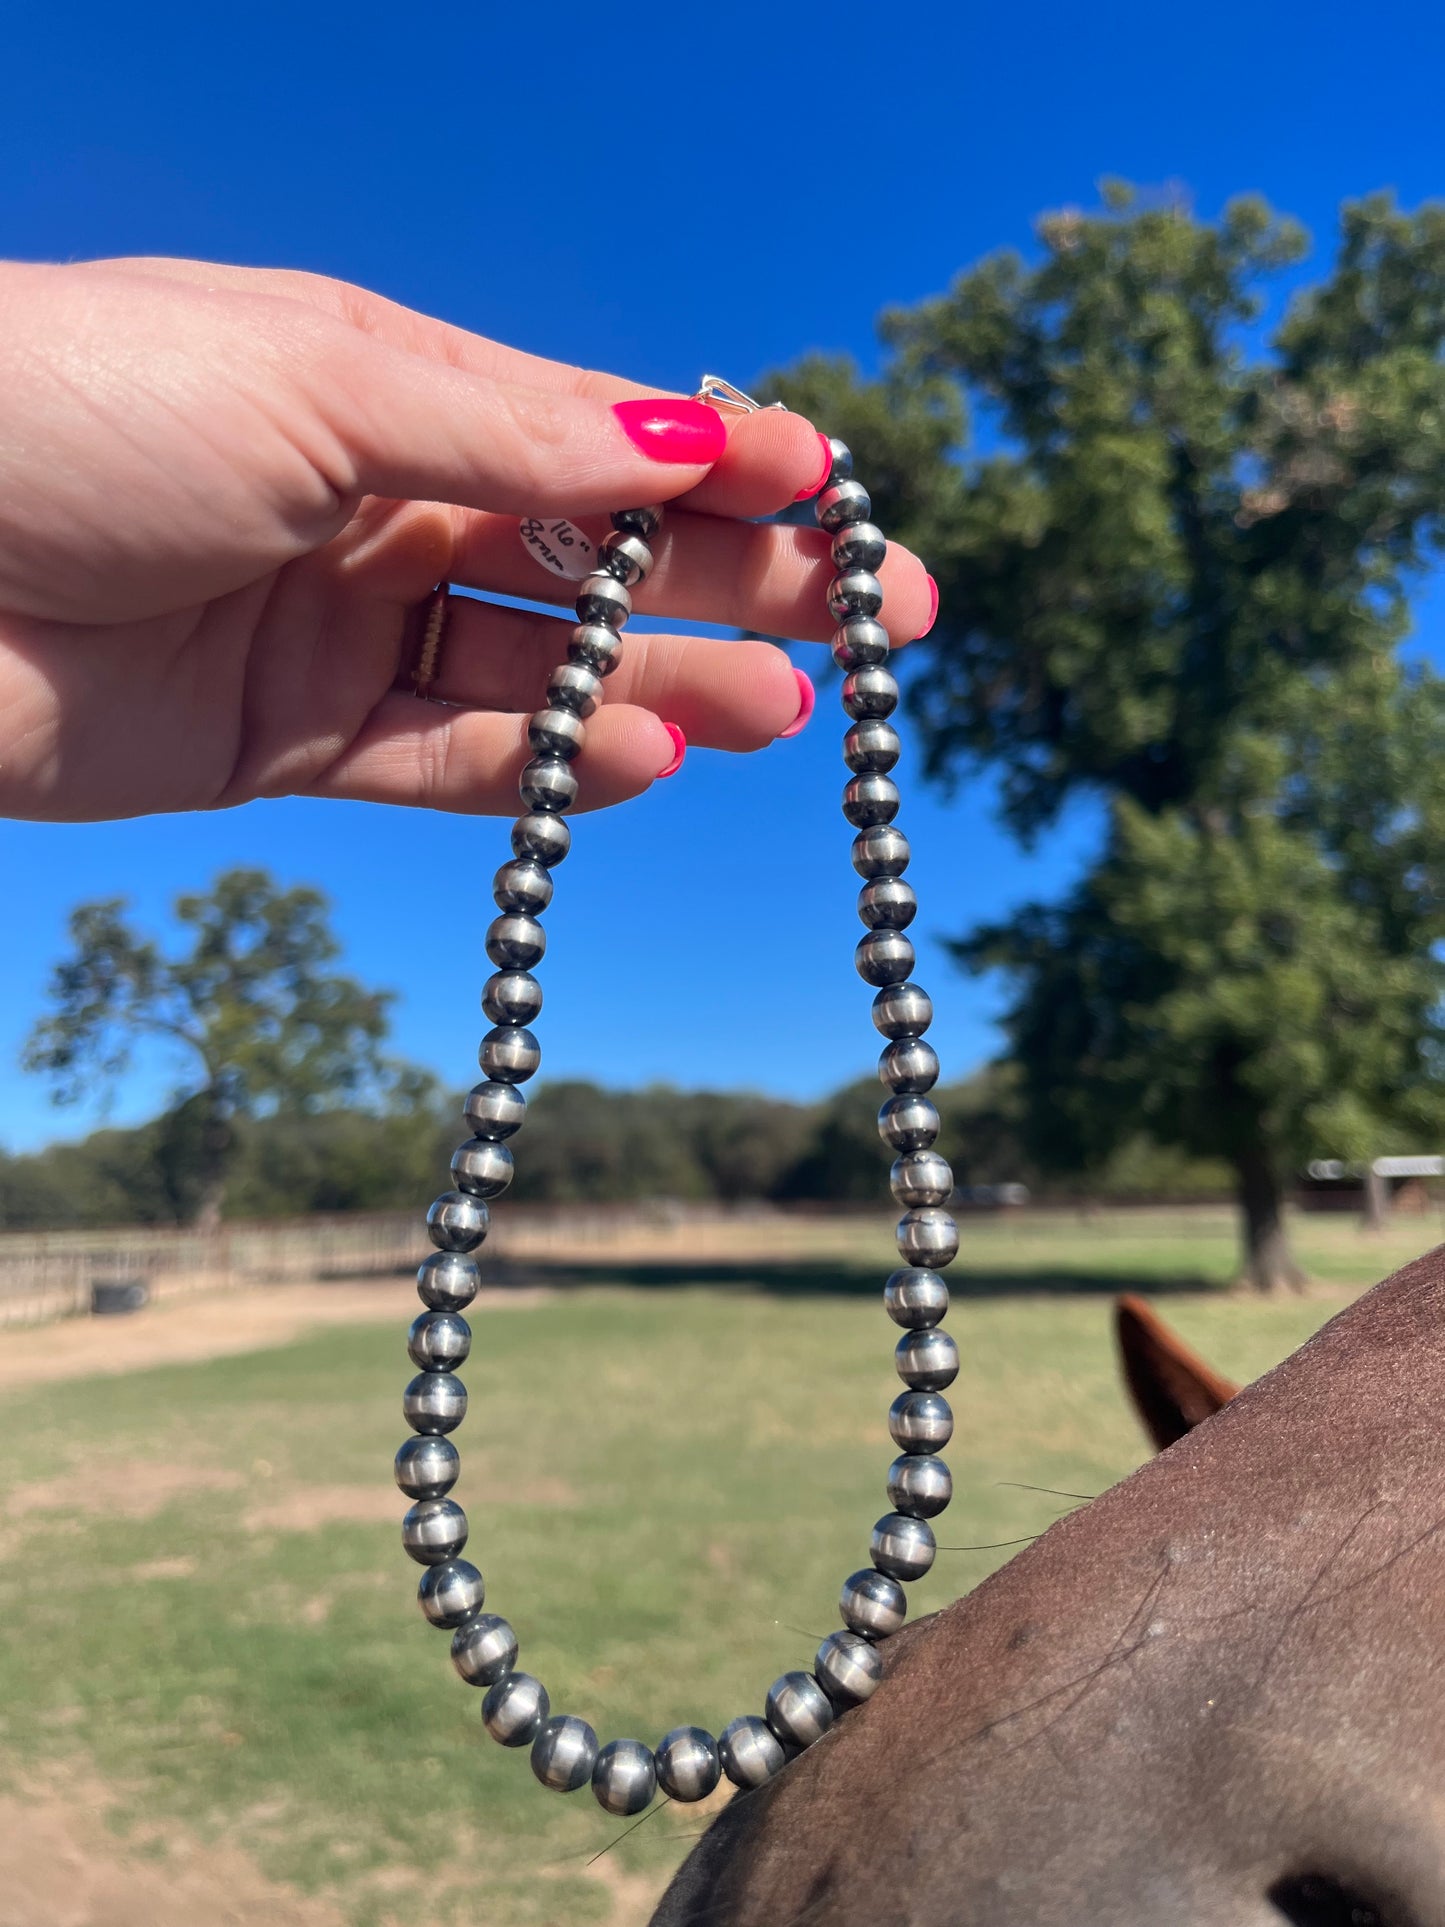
[223, 489]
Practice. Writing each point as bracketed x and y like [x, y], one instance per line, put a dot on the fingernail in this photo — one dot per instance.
[932, 610]
[807, 697]
[807, 494]
[679, 750]
[667, 430]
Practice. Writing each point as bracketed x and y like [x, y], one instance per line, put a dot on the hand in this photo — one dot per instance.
[222, 490]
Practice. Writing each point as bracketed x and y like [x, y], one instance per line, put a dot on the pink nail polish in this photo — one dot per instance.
[807, 697]
[668, 430]
[679, 750]
[807, 494]
[932, 610]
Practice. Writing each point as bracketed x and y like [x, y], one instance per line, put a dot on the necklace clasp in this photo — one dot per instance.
[722, 394]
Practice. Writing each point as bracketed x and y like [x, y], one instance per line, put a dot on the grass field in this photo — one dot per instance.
[209, 1620]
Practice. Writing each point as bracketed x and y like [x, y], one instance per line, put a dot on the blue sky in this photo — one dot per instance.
[655, 191]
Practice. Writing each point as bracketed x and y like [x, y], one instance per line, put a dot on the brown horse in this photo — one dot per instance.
[1215, 1697]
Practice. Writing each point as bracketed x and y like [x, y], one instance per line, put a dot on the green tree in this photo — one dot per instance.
[249, 1002]
[1176, 582]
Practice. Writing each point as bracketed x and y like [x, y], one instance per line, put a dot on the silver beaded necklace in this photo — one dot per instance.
[688, 1762]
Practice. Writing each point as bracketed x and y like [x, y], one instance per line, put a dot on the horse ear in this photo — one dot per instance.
[1172, 1388]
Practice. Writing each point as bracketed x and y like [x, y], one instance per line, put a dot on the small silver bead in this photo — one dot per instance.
[602, 599]
[548, 783]
[509, 1054]
[523, 885]
[596, 647]
[438, 1341]
[859, 545]
[887, 903]
[902, 1547]
[556, 732]
[688, 1767]
[457, 1223]
[926, 1361]
[927, 1237]
[624, 1778]
[872, 1604]
[860, 643]
[644, 521]
[545, 838]
[750, 1751]
[872, 748]
[870, 799]
[627, 557]
[484, 1650]
[915, 1299]
[564, 1753]
[516, 943]
[921, 1177]
[434, 1402]
[448, 1280]
[869, 692]
[575, 687]
[798, 1710]
[514, 1709]
[854, 593]
[450, 1594]
[495, 1110]
[481, 1167]
[433, 1531]
[920, 1421]
[513, 997]
[908, 1066]
[884, 957]
[842, 467]
[427, 1467]
[842, 504]
[882, 850]
[903, 1010]
[909, 1122]
[920, 1486]
[848, 1668]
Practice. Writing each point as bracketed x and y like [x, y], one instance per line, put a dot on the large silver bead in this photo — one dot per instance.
[515, 942]
[903, 1010]
[688, 1767]
[918, 1485]
[557, 732]
[882, 850]
[920, 1421]
[917, 1300]
[887, 903]
[495, 1110]
[448, 1280]
[872, 1604]
[627, 557]
[644, 521]
[564, 1753]
[902, 1547]
[548, 783]
[484, 1650]
[438, 1341]
[870, 692]
[909, 1122]
[482, 1167]
[434, 1402]
[523, 885]
[927, 1237]
[860, 643]
[624, 1778]
[543, 837]
[871, 747]
[859, 545]
[840, 505]
[603, 599]
[596, 647]
[509, 1054]
[908, 1065]
[513, 997]
[433, 1531]
[427, 1467]
[848, 1668]
[457, 1223]
[857, 592]
[884, 957]
[842, 466]
[575, 687]
[450, 1594]
[750, 1751]
[870, 799]
[922, 1177]
[514, 1709]
[798, 1710]
[926, 1361]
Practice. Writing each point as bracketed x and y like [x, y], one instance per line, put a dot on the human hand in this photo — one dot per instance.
[222, 490]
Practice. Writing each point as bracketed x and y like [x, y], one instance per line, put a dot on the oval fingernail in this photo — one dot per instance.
[669, 429]
[679, 750]
[932, 610]
[807, 494]
[807, 698]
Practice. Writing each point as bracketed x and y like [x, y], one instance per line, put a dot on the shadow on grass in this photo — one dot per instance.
[806, 1279]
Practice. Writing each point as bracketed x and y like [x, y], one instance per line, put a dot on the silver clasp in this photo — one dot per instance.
[722, 394]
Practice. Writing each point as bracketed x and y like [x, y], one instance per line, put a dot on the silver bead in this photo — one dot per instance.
[450, 1594]
[602, 599]
[626, 557]
[523, 884]
[870, 799]
[438, 1341]
[688, 1767]
[856, 592]
[514, 1709]
[848, 1668]
[840, 505]
[448, 1280]
[920, 1421]
[516, 943]
[644, 522]
[547, 839]
[927, 1237]
[750, 1751]
[842, 455]
[514, 997]
[798, 1710]
[922, 1177]
[484, 1650]
[495, 1110]
[927, 1361]
[860, 643]
[575, 687]
[548, 783]
[481, 1167]
[909, 1066]
[434, 1402]
[916, 1299]
[882, 850]
[564, 1753]
[427, 1467]
[883, 957]
[596, 647]
[902, 1547]
[859, 545]
[457, 1223]
[903, 1010]
[909, 1122]
[433, 1531]
[509, 1054]
[557, 732]
[919, 1485]
[872, 748]
[887, 903]
[872, 1604]
[869, 692]
[624, 1778]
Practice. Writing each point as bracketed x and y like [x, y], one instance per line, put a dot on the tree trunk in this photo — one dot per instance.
[1269, 1263]
[1377, 1200]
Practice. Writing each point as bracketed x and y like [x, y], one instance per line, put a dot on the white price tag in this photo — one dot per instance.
[558, 546]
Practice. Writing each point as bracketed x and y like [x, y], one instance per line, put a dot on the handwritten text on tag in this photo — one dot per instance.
[558, 546]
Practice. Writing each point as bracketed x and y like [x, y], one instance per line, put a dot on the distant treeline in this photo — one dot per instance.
[581, 1143]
